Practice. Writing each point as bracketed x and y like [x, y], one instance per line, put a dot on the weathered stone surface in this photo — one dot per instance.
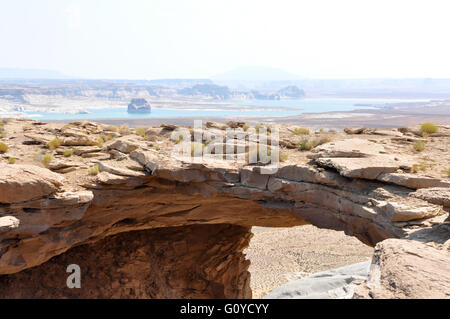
[353, 147]
[19, 183]
[435, 195]
[104, 167]
[412, 180]
[408, 269]
[126, 144]
[411, 209]
[345, 187]
[58, 164]
[367, 167]
[252, 178]
[8, 223]
[117, 155]
[197, 261]
[356, 130]
[336, 283]
[80, 140]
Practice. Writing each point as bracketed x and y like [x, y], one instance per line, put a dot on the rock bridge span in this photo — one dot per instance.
[177, 230]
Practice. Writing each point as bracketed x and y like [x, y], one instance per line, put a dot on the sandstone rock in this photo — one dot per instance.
[139, 106]
[215, 125]
[411, 209]
[104, 167]
[336, 283]
[234, 124]
[119, 156]
[19, 183]
[251, 177]
[197, 261]
[412, 180]
[40, 138]
[58, 164]
[80, 140]
[156, 191]
[91, 155]
[86, 149]
[126, 144]
[8, 223]
[368, 167]
[168, 127]
[111, 179]
[407, 269]
[357, 130]
[392, 132]
[435, 195]
[349, 148]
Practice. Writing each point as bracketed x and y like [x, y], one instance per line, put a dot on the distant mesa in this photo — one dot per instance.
[139, 106]
[216, 92]
[291, 92]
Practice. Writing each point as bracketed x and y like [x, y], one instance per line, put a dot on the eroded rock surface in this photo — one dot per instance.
[198, 261]
[408, 269]
[135, 183]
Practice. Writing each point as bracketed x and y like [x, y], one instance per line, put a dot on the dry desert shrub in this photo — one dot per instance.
[428, 128]
[93, 170]
[419, 146]
[56, 142]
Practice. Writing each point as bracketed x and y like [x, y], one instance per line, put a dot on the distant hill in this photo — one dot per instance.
[179, 83]
[257, 74]
[18, 73]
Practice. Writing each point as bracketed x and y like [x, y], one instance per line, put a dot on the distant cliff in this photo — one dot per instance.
[291, 92]
[207, 90]
[139, 106]
[218, 92]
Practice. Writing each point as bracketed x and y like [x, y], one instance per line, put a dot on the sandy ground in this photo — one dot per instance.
[279, 255]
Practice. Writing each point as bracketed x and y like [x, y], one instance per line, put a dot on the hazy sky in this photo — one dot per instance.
[200, 38]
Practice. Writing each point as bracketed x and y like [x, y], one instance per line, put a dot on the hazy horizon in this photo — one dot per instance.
[156, 39]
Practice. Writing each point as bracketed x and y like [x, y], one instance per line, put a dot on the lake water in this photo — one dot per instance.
[268, 109]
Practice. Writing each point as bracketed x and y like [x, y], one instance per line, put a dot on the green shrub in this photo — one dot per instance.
[447, 171]
[428, 128]
[93, 170]
[124, 129]
[100, 142]
[108, 137]
[3, 147]
[300, 131]
[419, 146]
[11, 160]
[284, 157]
[305, 145]
[257, 128]
[419, 167]
[56, 142]
[245, 127]
[47, 159]
[141, 131]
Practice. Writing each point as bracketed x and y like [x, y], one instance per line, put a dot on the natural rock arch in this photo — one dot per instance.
[177, 230]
